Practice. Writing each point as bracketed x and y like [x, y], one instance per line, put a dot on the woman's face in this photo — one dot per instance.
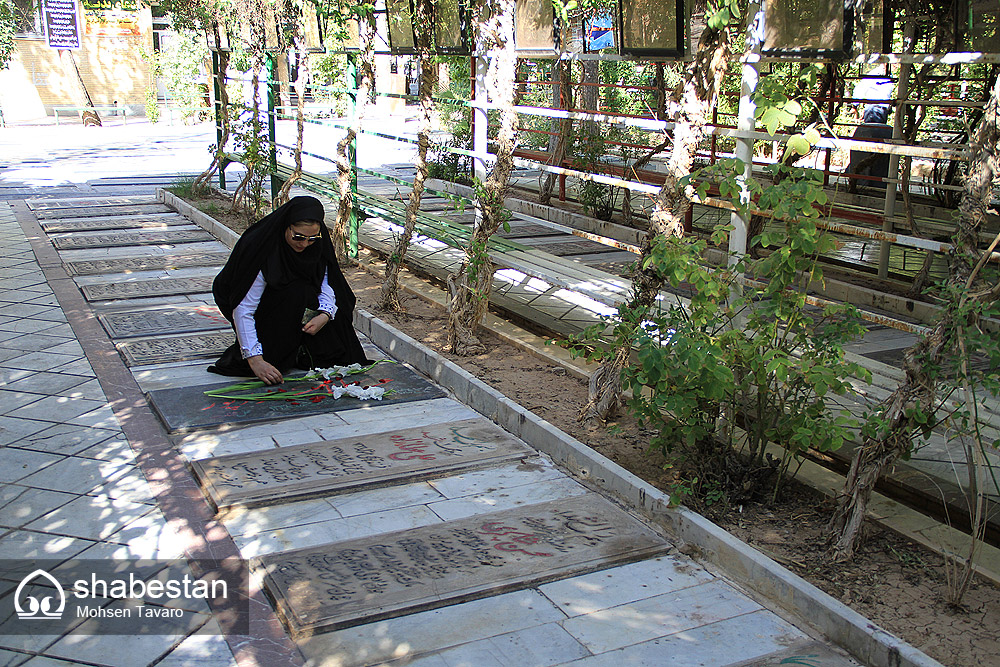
[300, 235]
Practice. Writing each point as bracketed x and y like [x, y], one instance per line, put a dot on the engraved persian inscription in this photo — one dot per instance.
[323, 588]
[149, 263]
[399, 457]
[186, 408]
[126, 239]
[144, 288]
[138, 352]
[165, 320]
[125, 222]
[95, 211]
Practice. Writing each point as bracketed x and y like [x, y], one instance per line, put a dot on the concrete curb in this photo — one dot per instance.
[851, 631]
[203, 220]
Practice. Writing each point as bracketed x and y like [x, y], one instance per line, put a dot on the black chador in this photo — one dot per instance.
[275, 274]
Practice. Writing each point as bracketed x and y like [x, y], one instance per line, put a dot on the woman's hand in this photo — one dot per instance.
[316, 323]
[264, 371]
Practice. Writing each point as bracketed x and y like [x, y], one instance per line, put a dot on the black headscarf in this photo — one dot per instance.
[877, 113]
[262, 248]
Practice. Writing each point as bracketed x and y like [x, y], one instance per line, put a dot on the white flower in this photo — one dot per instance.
[339, 371]
[365, 394]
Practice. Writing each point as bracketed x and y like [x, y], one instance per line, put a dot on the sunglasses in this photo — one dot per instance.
[308, 239]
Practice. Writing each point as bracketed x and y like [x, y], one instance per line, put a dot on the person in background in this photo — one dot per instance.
[875, 126]
[286, 297]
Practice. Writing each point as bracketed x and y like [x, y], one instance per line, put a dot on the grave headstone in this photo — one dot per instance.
[142, 351]
[93, 211]
[429, 205]
[147, 288]
[349, 464]
[338, 585]
[188, 408]
[128, 222]
[520, 230]
[130, 239]
[463, 218]
[179, 318]
[567, 246]
[148, 263]
[78, 202]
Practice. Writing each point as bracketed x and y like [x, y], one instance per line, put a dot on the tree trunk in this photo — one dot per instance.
[245, 195]
[470, 286]
[301, 84]
[203, 179]
[424, 20]
[345, 171]
[918, 389]
[659, 113]
[690, 107]
[562, 98]
[90, 117]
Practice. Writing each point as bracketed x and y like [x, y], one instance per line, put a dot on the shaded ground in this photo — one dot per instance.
[895, 583]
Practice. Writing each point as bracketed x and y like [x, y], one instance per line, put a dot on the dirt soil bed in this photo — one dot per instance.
[895, 583]
[892, 581]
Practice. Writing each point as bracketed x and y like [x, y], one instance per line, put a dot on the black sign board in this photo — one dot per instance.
[62, 30]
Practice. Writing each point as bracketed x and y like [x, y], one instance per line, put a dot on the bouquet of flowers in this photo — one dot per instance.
[316, 385]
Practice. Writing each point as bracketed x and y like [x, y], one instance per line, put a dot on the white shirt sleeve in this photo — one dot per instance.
[327, 299]
[243, 322]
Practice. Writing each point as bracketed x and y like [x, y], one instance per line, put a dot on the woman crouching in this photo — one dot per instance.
[281, 266]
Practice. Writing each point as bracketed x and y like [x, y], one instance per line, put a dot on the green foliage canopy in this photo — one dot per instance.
[6, 32]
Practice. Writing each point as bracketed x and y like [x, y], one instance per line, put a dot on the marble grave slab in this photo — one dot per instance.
[124, 222]
[433, 205]
[188, 408]
[165, 349]
[92, 267]
[350, 464]
[76, 202]
[133, 238]
[94, 211]
[147, 288]
[163, 320]
[466, 218]
[324, 588]
[562, 247]
[520, 230]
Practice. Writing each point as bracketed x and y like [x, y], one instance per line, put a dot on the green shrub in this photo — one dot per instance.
[761, 360]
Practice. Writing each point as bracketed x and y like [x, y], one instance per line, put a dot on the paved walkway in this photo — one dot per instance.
[90, 471]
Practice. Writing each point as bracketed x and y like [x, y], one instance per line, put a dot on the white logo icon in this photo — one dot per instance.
[39, 608]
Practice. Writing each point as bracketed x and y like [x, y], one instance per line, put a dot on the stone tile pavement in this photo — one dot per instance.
[69, 483]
